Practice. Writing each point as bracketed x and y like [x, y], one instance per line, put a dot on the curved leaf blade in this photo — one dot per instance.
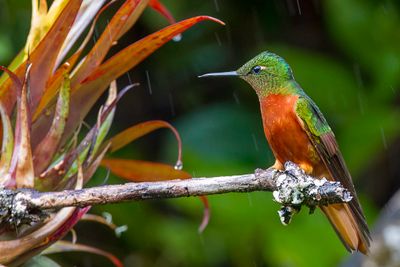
[21, 169]
[136, 52]
[143, 171]
[43, 58]
[44, 152]
[120, 22]
[55, 81]
[85, 94]
[7, 147]
[132, 133]
[65, 246]
[160, 8]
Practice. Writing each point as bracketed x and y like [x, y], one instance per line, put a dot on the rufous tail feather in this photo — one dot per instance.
[346, 227]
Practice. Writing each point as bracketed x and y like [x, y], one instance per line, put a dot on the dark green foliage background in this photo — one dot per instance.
[345, 54]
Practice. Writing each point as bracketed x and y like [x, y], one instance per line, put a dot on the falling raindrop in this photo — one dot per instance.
[250, 199]
[228, 34]
[107, 177]
[178, 165]
[255, 141]
[129, 77]
[237, 100]
[95, 35]
[148, 82]
[298, 6]
[218, 39]
[383, 138]
[216, 5]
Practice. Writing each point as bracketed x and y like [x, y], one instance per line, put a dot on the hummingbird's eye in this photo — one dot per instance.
[256, 69]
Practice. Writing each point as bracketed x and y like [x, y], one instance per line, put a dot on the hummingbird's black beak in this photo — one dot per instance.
[220, 74]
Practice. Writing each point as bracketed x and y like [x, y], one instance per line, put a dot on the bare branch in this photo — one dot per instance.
[291, 187]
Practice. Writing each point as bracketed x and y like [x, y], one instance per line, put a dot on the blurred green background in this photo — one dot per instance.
[344, 53]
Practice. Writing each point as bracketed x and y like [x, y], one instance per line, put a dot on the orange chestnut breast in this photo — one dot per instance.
[285, 135]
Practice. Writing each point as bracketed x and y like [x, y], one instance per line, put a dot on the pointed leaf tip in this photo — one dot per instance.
[22, 169]
[212, 19]
[134, 132]
[206, 214]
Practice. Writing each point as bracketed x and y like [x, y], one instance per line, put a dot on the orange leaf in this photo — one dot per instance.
[143, 171]
[43, 58]
[136, 52]
[54, 83]
[132, 133]
[84, 95]
[126, 15]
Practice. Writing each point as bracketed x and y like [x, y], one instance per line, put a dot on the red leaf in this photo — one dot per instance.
[159, 7]
[206, 214]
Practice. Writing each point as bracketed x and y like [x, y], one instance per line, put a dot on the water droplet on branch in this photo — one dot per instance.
[148, 82]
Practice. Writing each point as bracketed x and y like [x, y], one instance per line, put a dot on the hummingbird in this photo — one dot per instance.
[297, 131]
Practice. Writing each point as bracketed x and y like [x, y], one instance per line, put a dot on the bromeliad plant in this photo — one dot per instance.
[46, 92]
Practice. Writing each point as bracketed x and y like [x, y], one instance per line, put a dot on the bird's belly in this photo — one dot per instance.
[288, 141]
[285, 135]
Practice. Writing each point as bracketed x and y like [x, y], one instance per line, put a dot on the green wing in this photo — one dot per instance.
[323, 140]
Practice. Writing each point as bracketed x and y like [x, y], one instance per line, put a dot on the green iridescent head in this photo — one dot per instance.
[266, 73]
